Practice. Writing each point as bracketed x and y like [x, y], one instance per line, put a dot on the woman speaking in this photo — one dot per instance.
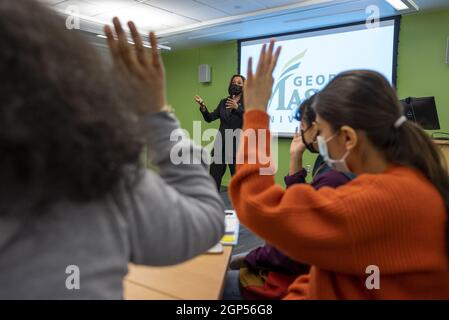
[230, 112]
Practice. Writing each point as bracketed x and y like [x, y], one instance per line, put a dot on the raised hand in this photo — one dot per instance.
[199, 100]
[258, 86]
[145, 72]
[297, 146]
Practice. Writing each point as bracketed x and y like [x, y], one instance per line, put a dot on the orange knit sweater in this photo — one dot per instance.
[394, 220]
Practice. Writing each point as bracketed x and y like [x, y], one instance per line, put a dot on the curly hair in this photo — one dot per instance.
[65, 126]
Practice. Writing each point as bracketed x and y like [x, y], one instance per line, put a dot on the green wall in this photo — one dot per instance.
[182, 79]
[421, 62]
[421, 72]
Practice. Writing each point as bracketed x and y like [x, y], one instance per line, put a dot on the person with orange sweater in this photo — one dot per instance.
[384, 235]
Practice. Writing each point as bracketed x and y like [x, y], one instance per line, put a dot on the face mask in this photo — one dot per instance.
[309, 146]
[337, 165]
[235, 90]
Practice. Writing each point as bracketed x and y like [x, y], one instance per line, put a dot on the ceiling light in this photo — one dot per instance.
[103, 23]
[401, 5]
[145, 44]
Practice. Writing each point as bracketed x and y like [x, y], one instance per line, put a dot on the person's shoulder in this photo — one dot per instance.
[396, 174]
[397, 180]
[337, 175]
[331, 178]
[405, 185]
[406, 178]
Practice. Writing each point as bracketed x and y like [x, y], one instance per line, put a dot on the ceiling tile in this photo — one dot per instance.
[84, 8]
[188, 8]
[146, 17]
[234, 7]
[278, 3]
[178, 21]
[105, 6]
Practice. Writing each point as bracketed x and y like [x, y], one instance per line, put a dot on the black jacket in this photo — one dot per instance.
[229, 119]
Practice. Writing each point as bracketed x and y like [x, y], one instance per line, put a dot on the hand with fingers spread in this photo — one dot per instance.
[199, 100]
[144, 71]
[258, 86]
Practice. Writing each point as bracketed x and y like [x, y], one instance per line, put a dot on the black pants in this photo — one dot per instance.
[217, 171]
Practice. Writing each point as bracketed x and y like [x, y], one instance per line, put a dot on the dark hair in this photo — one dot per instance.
[65, 130]
[232, 79]
[306, 112]
[365, 101]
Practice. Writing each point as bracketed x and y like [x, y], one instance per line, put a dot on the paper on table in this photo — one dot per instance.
[231, 237]
[218, 248]
[232, 227]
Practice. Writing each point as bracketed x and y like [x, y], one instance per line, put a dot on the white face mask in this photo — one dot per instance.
[337, 165]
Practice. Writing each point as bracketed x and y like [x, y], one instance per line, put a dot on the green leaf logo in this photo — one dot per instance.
[294, 60]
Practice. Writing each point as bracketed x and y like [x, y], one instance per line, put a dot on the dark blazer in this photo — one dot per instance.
[229, 119]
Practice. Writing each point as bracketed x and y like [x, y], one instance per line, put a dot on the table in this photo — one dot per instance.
[201, 278]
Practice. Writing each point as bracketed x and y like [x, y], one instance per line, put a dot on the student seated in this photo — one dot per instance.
[383, 235]
[266, 272]
[74, 199]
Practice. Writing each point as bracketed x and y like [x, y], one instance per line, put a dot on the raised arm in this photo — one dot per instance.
[308, 225]
[208, 116]
[175, 214]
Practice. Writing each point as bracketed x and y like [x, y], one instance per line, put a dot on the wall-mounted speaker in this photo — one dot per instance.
[204, 73]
